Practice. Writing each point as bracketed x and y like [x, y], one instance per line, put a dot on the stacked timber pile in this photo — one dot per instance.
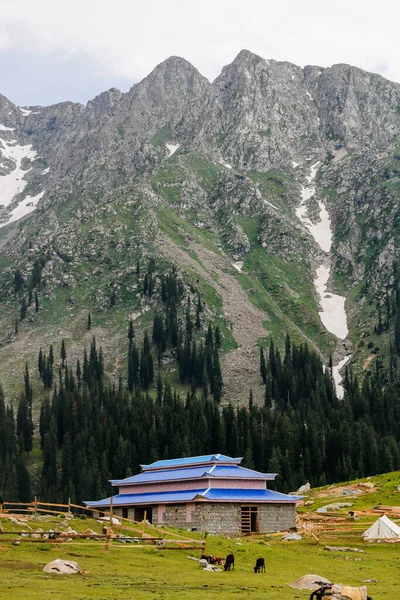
[379, 511]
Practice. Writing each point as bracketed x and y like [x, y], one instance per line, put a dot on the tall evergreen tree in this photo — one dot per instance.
[18, 281]
[131, 331]
[63, 353]
[23, 310]
[263, 368]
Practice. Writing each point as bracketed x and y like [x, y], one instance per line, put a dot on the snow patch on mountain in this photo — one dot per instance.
[4, 128]
[24, 208]
[225, 164]
[172, 148]
[337, 377]
[14, 183]
[333, 314]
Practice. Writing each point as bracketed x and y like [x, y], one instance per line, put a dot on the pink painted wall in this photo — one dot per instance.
[144, 488]
[161, 513]
[199, 484]
[237, 484]
[189, 509]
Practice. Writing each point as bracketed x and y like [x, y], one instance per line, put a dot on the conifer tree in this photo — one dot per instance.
[28, 387]
[49, 468]
[24, 425]
[112, 298]
[78, 371]
[51, 355]
[18, 281]
[159, 398]
[23, 479]
[217, 337]
[23, 310]
[41, 363]
[63, 353]
[36, 274]
[263, 368]
[145, 284]
[131, 331]
[397, 332]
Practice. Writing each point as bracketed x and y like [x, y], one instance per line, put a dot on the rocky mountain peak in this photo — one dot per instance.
[222, 165]
[105, 101]
[174, 76]
[358, 109]
[246, 57]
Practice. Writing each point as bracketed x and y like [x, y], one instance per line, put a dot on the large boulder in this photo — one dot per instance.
[308, 582]
[291, 536]
[304, 489]
[62, 567]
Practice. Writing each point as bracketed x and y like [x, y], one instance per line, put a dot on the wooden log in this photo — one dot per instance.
[51, 504]
[17, 504]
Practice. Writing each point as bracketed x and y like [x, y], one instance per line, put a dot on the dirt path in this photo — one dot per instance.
[240, 368]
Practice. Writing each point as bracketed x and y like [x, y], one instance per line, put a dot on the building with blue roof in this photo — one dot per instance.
[211, 492]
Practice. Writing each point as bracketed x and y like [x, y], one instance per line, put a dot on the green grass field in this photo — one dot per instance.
[128, 571]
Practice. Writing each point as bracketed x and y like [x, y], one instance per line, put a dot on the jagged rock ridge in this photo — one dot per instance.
[242, 147]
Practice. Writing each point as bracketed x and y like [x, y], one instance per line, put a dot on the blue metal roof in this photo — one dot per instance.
[191, 460]
[231, 471]
[238, 472]
[217, 494]
[152, 498]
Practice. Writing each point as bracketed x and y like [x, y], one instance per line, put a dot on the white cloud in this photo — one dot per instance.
[128, 38]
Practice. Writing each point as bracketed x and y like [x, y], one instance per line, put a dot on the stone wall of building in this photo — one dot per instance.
[224, 518]
[118, 512]
[276, 517]
[175, 516]
[219, 518]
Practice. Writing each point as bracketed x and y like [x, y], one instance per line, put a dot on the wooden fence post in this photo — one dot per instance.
[34, 506]
[109, 529]
[69, 505]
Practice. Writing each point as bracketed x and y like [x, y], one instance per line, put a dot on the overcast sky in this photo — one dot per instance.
[52, 51]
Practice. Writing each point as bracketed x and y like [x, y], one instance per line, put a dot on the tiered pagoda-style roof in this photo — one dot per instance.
[208, 478]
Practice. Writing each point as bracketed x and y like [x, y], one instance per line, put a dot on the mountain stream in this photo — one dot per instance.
[332, 314]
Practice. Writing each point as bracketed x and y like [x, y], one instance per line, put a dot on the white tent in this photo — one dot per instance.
[382, 529]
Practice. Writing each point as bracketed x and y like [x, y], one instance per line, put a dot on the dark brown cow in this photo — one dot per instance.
[260, 565]
[229, 562]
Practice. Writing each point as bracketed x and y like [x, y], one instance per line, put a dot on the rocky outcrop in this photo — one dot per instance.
[99, 184]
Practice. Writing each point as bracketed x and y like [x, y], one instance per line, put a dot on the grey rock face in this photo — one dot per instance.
[357, 110]
[243, 147]
[257, 115]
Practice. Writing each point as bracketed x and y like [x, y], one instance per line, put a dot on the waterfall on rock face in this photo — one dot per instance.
[333, 314]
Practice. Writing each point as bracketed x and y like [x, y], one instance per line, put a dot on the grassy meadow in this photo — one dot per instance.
[136, 572]
[131, 572]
